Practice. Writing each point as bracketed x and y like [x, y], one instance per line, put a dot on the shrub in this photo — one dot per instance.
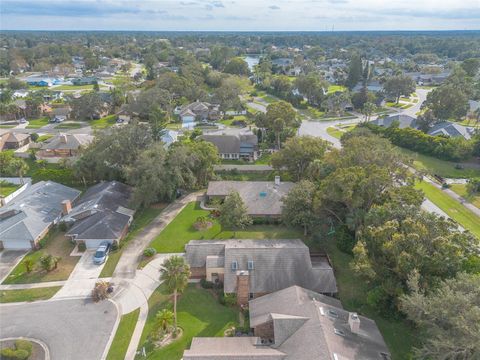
[23, 345]
[82, 247]
[345, 240]
[47, 262]
[34, 137]
[62, 176]
[21, 351]
[206, 284]
[149, 252]
[230, 299]
[28, 263]
[114, 246]
[63, 226]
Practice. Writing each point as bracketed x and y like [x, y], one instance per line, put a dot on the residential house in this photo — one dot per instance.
[20, 94]
[13, 140]
[101, 214]
[297, 324]
[42, 81]
[403, 121]
[198, 111]
[233, 143]
[253, 268]
[88, 80]
[428, 79]
[373, 86]
[451, 129]
[60, 114]
[26, 219]
[261, 198]
[64, 145]
[169, 137]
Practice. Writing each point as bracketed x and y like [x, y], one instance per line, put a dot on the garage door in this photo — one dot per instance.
[16, 244]
[93, 244]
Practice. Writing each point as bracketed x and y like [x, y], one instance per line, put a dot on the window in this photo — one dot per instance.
[250, 265]
[234, 266]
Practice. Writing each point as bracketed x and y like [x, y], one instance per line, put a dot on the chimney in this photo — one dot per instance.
[243, 287]
[66, 207]
[277, 180]
[354, 322]
[63, 138]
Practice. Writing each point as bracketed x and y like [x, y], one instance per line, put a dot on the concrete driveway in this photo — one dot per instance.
[72, 329]
[8, 260]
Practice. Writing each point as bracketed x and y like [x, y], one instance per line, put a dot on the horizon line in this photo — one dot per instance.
[255, 31]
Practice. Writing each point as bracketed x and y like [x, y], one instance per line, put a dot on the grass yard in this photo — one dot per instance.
[38, 123]
[180, 231]
[104, 122]
[45, 293]
[7, 126]
[73, 87]
[440, 167]
[141, 219]
[7, 188]
[264, 159]
[69, 125]
[461, 189]
[335, 88]
[336, 133]
[398, 335]
[467, 219]
[44, 137]
[56, 244]
[199, 314]
[120, 343]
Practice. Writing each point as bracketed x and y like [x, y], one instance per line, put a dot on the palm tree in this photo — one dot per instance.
[175, 273]
[19, 167]
[165, 319]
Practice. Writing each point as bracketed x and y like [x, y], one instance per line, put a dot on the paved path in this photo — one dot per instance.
[9, 260]
[72, 329]
[33, 286]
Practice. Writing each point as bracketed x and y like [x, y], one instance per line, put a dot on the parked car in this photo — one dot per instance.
[101, 253]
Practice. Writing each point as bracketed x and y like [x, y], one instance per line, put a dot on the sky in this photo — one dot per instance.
[240, 15]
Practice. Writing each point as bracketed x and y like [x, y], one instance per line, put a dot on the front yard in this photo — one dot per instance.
[37, 123]
[199, 314]
[123, 336]
[44, 293]
[104, 122]
[180, 231]
[56, 244]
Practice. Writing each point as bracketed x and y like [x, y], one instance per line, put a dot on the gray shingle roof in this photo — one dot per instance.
[448, 128]
[404, 121]
[232, 141]
[277, 264]
[260, 197]
[67, 142]
[34, 210]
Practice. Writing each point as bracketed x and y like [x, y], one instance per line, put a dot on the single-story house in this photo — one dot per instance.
[262, 198]
[451, 129]
[233, 143]
[297, 324]
[40, 81]
[101, 214]
[13, 140]
[90, 80]
[252, 268]
[198, 111]
[403, 121]
[26, 219]
[373, 86]
[60, 114]
[169, 137]
[64, 145]
[20, 94]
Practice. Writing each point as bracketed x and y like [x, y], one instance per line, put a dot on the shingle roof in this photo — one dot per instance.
[260, 197]
[451, 129]
[277, 264]
[231, 141]
[404, 121]
[15, 137]
[34, 210]
[67, 142]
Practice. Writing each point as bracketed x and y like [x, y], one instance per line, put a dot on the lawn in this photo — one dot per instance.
[73, 87]
[123, 335]
[439, 167]
[467, 219]
[461, 189]
[69, 125]
[7, 126]
[104, 122]
[352, 291]
[180, 231]
[38, 123]
[141, 219]
[199, 314]
[56, 244]
[333, 131]
[8, 296]
[335, 88]
[44, 137]
[264, 159]
[7, 188]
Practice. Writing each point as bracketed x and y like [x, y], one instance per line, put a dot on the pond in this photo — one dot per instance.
[252, 61]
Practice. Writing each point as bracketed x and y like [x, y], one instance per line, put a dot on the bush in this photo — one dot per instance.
[114, 246]
[21, 351]
[63, 226]
[230, 299]
[206, 284]
[82, 247]
[48, 262]
[149, 252]
[34, 137]
[62, 176]
[345, 240]
[24, 345]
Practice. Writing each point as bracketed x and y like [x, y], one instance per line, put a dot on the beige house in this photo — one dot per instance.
[64, 145]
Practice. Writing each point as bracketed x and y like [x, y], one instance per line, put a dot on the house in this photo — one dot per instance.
[26, 219]
[64, 145]
[233, 143]
[253, 268]
[60, 114]
[403, 121]
[40, 81]
[169, 137]
[373, 86]
[198, 111]
[20, 94]
[101, 214]
[13, 140]
[450, 129]
[262, 198]
[89, 80]
[297, 324]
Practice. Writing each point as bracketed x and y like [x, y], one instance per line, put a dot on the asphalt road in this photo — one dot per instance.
[72, 329]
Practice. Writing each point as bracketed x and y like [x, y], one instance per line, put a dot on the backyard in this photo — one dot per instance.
[180, 231]
[7, 188]
[55, 244]
[199, 314]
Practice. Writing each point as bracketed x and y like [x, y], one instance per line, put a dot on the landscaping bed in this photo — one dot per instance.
[37, 351]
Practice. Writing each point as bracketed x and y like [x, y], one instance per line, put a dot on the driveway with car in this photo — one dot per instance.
[72, 329]
[8, 260]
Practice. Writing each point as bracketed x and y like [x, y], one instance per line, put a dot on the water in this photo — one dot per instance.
[252, 61]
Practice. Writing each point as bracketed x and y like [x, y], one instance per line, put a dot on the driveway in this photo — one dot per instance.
[8, 260]
[72, 329]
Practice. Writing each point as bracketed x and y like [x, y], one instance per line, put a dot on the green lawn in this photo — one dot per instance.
[123, 335]
[452, 208]
[439, 167]
[461, 189]
[8, 296]
[180, 231]
[105, 122]
[199, 314]
[44, 137]
[352, 291]
[335, 88]
[141, 219]
[264, 159]
[333, 131]
[7, 126]
[7, 188]
[38, 123]
[73, 87]
[69, 125]
[56, 244]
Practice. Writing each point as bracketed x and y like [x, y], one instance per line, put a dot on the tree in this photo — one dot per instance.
[175, 273]
[219, 56]
[471, 66]
[447, 101]
[399, 85]
[448, 315]
[297, 155]
[164, 319]
[298, 206]
[312, 87]
[87, 106]
[473, 186]
[426, 120]
[368, 110]
[49, 262]
[354, 71]
[28, 263]
[237, 66]
[227, 94]
[233, 213]
[19, 167]
[280, 116]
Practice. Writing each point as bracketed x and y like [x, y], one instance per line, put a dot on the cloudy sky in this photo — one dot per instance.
[249, 15]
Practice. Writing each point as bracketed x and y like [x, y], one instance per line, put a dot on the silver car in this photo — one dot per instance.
[101, 253]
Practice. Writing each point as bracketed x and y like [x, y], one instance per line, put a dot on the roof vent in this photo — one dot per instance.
[339, 332]
[354, 322]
